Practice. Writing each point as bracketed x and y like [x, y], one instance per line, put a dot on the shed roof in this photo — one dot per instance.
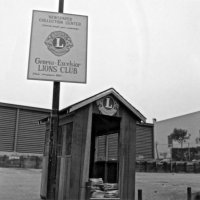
[101, 95]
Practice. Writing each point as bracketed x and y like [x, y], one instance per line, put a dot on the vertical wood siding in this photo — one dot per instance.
[7, 128]
[78, 142]
[127, 145]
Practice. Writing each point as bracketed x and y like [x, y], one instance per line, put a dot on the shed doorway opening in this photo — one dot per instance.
[104, 161]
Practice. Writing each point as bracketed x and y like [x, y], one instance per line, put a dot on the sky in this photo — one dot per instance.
[147, 50]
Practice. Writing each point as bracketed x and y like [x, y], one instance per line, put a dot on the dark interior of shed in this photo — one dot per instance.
[104, 148]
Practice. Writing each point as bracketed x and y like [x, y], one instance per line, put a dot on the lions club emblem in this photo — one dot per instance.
[108, 106]
[59, 43]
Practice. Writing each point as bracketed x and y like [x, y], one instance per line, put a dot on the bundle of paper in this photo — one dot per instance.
[111, 194]
[98, 189]
[110, 186]
[98, 194]
[96, 181]
[95, 186]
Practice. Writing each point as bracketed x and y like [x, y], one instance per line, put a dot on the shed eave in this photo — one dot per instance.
[101, 95]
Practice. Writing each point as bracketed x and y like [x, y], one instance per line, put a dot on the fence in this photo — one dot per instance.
[189, 194]
[153, 166]
[141, 166]
[21, 161]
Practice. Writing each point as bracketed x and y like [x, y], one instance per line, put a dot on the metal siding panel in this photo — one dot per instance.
[7, 128]
[112, 140]
[100, 148]
[144, 141]
[31, 135]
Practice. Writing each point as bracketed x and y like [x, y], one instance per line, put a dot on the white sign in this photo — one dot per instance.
[58, 47]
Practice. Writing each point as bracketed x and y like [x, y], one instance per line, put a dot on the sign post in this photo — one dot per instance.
[58, 53]
[52, 163]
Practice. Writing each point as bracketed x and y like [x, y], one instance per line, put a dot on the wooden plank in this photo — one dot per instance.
[61, 172]
[79, 133]
[65, 165]
[131, 159]
[127, 156]
[61, 179]
[123, 157]
[58, 169]
[64, 184]
[86, 157]
[43, 187]
[67, 177]
[66, 119]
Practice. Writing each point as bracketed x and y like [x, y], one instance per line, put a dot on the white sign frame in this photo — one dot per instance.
[58, 47]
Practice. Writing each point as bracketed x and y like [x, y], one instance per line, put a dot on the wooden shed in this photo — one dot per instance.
[96, 141]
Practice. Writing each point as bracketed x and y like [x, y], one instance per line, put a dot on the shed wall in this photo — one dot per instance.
[127, 150]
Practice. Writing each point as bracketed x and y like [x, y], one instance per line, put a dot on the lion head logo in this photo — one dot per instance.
[59, 43]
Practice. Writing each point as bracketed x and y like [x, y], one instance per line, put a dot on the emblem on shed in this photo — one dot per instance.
[59, 43]
[108, 106]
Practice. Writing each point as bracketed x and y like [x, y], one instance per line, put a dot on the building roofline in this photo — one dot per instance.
[184, 115]
[145, 124]
[24, 107]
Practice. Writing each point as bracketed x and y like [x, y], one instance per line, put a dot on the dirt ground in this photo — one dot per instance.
[19, 184]
[166, 186]
[24, 184]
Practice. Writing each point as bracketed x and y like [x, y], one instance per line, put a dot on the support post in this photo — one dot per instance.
[16, 131]
[139, 194]
[189, 193]
[52, 162]
[51, 182]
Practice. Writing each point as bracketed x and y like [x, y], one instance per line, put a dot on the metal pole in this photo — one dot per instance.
[61, 6]
[52, 164]
[171, 158]
[189, 193]
[188, 151]
[51, 182]
[139, 194]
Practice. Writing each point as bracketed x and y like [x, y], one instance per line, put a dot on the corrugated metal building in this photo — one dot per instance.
[20, 131]
[144, 141]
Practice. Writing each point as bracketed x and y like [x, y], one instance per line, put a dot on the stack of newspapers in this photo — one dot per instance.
[98, 189]
[111, 190]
